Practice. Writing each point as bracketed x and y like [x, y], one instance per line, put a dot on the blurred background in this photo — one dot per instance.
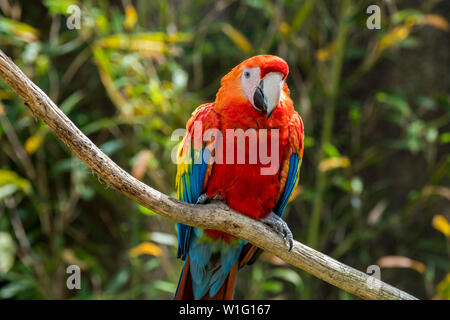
[375, 179]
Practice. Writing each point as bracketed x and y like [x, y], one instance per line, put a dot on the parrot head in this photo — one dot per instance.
[255, 87]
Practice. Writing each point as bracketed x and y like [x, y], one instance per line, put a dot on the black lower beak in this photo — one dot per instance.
[259, 100]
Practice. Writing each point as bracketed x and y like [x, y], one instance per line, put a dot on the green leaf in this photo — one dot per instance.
[59, 6]
[357, 185]
[146, 211]
[71, 102]
[330, 151]
[431, 134]
[151, 264]
[111, 146]
[7, 252]
[395, 101]
[165, 286]
[426, 102]
[12, 289]
[287, 275]
[7, 190]
[401, 15]
[445, 137]
[21, 30]
[31, 52]
[118, 281]
[272, 286]
[309, 142]
[8, 177]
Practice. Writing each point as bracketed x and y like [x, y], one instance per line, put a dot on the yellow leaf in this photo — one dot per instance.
[436, 21]
[133, 43]
[21, 30]
[10, 177]
[396, 35]
[6, 94]
[146, 42]
[325, 53]
[69, 257]
[285, 28]
[238, 38]
[443, 289]
[145, 248]
[33, 143]
[333, 163]
[402, 32]
[130, 17]
[436, 190]
[441, 224]
[401, 262]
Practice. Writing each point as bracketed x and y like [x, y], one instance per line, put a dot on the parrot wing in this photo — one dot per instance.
[290, 166]
[194, 165]
[289, 176]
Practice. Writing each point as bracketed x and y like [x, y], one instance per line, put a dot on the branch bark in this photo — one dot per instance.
[212, 216]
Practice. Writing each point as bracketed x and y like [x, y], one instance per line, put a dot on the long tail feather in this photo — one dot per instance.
[184, 290]
[249, 255]
[226, 292]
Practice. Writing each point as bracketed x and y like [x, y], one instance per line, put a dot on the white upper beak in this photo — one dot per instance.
[268, 93]
[272, 86]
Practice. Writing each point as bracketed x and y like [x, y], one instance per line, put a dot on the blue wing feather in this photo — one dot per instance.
[192, 183]
[294, 168]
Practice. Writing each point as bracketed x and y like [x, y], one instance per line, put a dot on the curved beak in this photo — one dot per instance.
[267, 94]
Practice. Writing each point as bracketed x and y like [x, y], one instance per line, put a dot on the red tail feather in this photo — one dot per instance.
[184, 291]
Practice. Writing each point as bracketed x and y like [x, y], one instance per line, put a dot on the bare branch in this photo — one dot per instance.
[211, 216]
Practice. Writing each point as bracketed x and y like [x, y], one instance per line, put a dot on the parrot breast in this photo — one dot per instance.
[250, 187]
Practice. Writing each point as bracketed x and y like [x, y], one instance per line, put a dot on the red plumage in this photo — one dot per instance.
[242, 186]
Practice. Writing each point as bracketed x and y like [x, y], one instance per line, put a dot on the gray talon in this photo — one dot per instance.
[205, 199]
[280, 226]
[202, 199]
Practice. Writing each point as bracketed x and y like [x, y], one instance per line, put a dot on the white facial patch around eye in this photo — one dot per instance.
[249, 81]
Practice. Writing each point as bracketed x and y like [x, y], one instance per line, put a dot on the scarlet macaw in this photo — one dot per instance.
[253, 95]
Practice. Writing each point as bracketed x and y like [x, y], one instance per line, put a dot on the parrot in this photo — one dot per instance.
[252, 96]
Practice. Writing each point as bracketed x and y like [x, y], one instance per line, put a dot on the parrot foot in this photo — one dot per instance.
[280, 226]
[203, 199]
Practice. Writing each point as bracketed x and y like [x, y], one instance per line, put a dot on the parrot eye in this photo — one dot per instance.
[250, 74]
[250, 78]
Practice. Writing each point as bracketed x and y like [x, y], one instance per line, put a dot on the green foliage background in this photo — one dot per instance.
[375, 178]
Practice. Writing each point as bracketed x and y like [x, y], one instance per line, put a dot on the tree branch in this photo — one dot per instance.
[211, 216]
